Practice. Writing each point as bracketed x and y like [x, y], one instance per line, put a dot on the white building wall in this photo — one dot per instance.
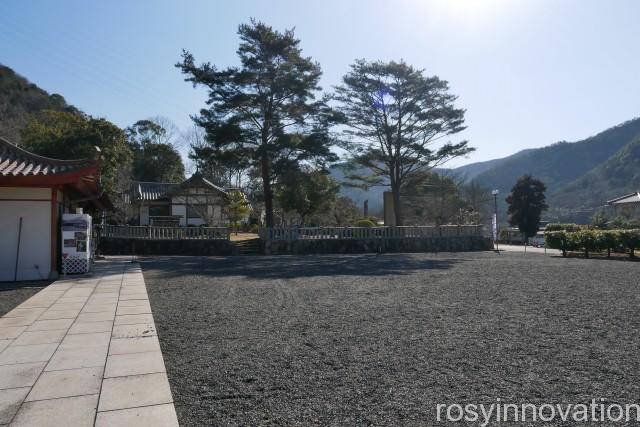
[144, 215]
[35, 239]
[180, 210]
[196, 221]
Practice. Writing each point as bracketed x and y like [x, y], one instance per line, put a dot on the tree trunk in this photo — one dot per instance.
[268, 194]
[397, 211]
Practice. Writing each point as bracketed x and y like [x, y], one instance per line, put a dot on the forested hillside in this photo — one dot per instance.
[580, 176]
[618, 175]
[19, 100]
[561, 163]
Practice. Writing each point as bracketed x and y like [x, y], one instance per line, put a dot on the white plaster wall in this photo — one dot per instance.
[35, 241]
[179, 210]
[217, 214]
[144, 215]
[182, 211]
[196, 221]
[25, 193]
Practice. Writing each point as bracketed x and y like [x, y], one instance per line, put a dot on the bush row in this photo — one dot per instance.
[564, 227]
[591, 240]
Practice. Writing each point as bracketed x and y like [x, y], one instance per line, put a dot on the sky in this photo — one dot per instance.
[528, 72]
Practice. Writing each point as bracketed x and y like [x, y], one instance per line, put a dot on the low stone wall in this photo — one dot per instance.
[348, 246]
[109, 246]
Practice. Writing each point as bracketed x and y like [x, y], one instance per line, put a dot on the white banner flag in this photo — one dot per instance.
[494, 227]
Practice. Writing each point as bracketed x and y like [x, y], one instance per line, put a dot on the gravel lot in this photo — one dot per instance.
[13, 294]
[379, 340]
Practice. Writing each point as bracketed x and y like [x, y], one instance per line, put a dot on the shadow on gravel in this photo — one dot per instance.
[12, 286]
[12, 294]
[289, 266]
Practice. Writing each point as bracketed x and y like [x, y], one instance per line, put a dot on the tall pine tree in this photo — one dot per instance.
[264, 110]
[401, 120]
[526, 204]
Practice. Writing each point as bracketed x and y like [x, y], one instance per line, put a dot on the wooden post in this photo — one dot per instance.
[15, 271]
[54, 230]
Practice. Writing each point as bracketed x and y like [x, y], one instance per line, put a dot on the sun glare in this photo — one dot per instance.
[468, 12]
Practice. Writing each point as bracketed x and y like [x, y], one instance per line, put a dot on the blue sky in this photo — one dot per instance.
[529, 73]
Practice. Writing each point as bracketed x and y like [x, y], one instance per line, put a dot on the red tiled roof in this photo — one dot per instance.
[17, 162]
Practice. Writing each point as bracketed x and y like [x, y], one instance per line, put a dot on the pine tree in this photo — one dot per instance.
[526, 203]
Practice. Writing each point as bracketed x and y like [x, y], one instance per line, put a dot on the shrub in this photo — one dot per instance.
[254, 228]
[556, 240]
[609, 239]
[364, 223]
[564, 227]
[593, 240]
[621, 223]
[586, 240]
[630, 239]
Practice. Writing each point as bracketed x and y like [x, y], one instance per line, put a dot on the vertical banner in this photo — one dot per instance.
[494, 227]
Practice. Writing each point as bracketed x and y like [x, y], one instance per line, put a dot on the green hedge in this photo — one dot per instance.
[564, 227]
[364, 223]
[587, 240]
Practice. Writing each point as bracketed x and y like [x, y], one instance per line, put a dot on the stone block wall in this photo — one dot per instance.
[348, 246]
[164, 247]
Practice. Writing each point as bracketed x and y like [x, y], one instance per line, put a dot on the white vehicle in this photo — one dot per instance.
[537, 240]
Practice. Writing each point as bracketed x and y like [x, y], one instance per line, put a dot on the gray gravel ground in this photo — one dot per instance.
[379, 340]
[12, 294]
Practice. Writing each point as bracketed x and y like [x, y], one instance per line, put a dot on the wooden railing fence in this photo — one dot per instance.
[404, 232]
[164, 233]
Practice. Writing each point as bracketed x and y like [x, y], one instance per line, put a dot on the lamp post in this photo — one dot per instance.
[495, 217]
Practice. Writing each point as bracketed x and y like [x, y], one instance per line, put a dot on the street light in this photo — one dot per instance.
[495, 218]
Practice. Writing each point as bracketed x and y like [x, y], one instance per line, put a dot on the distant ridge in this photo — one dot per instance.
[580, 176]
[20, 100]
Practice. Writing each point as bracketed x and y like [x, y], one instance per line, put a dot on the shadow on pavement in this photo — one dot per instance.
[291, 266]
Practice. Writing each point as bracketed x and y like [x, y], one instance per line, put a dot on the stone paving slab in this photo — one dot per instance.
[84, 352]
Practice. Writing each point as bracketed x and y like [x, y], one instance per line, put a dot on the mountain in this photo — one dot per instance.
[618, 175]
[472, 170]
[374, 194]
[20, 100]
[358, 195]
[561, 163]
[580, 176]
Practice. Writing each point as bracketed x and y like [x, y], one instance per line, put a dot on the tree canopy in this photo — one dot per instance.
[264, 110]
[20, 101]
[73, 135]
[526, 203]
[398, 120]
[237, 208]
[228, 169]
[155, 159]
[306, 193]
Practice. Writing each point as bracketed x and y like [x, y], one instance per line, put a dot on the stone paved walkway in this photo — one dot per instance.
[84, 352]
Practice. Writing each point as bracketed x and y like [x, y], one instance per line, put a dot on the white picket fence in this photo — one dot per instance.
[164, 233]
[404, 232]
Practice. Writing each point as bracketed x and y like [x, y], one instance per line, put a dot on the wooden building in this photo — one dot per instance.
[34, 192]
[194, 202]
[627, 206]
